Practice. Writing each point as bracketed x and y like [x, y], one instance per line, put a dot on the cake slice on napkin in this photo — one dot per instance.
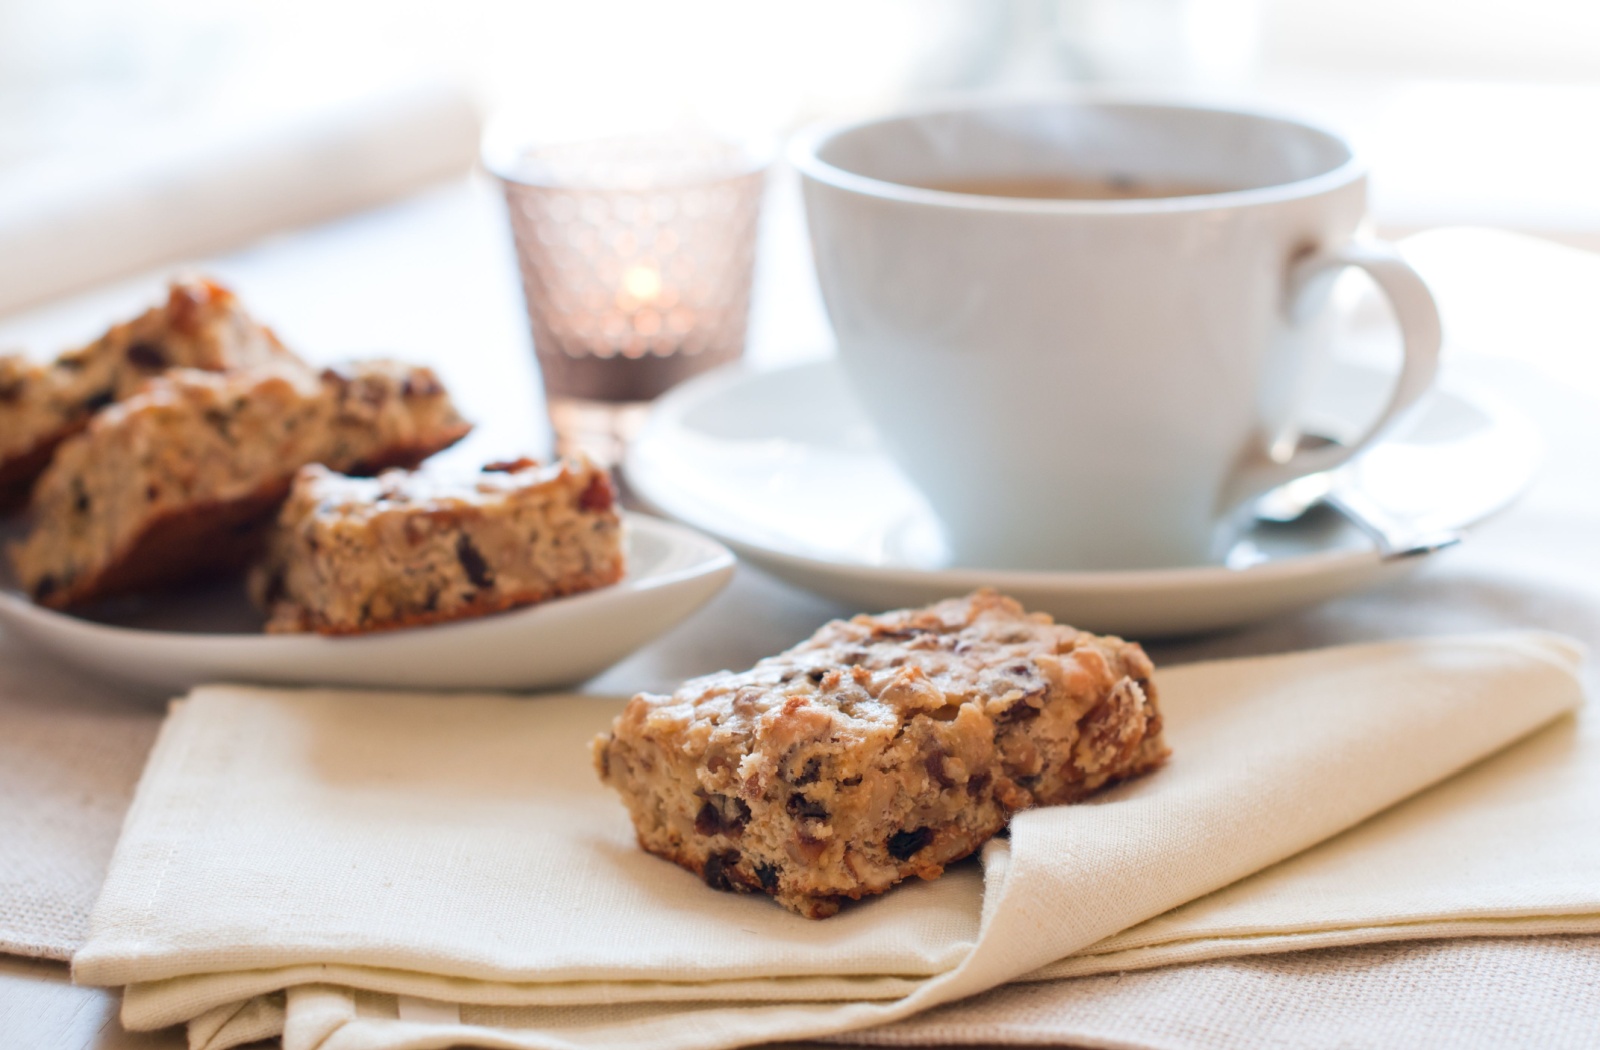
[881, 748]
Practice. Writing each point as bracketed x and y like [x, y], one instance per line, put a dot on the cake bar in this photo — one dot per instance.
[201, 325]
[184, 477]
[883, 747]
[352, 555]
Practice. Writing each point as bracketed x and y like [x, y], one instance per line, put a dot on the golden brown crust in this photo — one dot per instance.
[217, 536]
[736, 879]
[180, 479]
[201, 539]
[882, 748]
[201, 325]
[406, 549]
[409, 455]
[19, 472]
[478, 607]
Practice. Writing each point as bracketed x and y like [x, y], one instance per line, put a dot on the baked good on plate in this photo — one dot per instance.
[350, 555]
[883, 747]
[183, 477]
[201, 325]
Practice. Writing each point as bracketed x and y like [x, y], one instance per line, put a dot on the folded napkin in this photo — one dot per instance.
[383, 871]
[196, 187]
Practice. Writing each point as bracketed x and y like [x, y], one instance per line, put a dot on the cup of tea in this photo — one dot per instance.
[1082, 327]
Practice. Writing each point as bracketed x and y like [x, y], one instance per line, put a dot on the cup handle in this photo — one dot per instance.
[1418, 319]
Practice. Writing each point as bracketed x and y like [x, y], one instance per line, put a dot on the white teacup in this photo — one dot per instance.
[1094, 383]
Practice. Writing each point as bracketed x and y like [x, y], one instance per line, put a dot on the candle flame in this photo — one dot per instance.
[643, 282]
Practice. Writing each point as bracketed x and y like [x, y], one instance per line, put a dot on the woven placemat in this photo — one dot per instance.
[71, 750]
[1459, 994]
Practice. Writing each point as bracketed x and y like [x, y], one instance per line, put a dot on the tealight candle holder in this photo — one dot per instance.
[636, 257]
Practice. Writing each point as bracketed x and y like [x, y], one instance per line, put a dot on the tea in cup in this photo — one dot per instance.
[1080, 327]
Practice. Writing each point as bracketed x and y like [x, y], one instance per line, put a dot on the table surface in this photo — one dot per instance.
[431, 279]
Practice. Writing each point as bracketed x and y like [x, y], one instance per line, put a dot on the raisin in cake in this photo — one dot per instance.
[351, 555]
[185, 476]
[201, 325]
[884, 747]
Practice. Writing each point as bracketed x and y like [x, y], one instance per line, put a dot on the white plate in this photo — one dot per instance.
[783, 467]
[174, 641]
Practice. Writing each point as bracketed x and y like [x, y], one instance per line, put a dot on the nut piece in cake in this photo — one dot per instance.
[201, 325]
[884, 747]
[183, 477]
[351, 555]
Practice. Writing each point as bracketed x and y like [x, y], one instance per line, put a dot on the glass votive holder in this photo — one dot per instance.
[636, 255]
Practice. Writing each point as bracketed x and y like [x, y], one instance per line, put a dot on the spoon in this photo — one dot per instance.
[1395, 538]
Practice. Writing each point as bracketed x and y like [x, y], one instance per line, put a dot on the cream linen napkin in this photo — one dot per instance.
[456, 853]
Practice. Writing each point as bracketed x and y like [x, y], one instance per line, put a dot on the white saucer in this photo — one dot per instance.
[783, 467]
[175, 641]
